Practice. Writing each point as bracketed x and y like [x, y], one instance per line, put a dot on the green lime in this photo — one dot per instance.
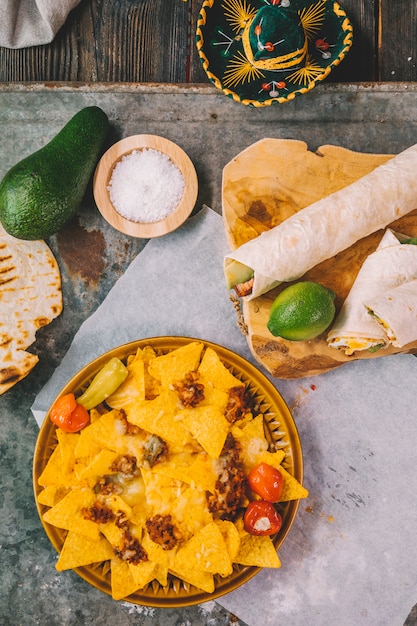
[302, 311]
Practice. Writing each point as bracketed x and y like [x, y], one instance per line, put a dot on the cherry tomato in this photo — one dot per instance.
[266, 481]
[68, 415]
[262, 518]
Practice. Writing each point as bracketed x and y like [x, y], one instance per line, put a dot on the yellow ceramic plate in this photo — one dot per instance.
[281, 433]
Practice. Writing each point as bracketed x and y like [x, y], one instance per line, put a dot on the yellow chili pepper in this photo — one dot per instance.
[105, 382]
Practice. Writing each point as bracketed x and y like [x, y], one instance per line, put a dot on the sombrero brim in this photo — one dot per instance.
[220, 46]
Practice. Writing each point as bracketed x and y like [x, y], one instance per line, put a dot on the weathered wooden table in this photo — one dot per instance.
[153, 41]
[137, 59]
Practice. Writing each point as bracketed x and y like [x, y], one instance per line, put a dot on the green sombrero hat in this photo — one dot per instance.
[260, 52]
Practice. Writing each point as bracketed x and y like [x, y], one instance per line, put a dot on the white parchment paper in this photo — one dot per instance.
[351, 556]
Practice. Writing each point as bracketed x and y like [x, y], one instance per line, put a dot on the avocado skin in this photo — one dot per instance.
[42, 192]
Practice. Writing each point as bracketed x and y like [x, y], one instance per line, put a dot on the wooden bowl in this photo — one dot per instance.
[104, 172]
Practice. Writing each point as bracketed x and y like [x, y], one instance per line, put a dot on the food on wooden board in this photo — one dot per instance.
[391, 266]
[39, 194]
[30, 297]
[326, 227]
[302, 311]
[396, 312]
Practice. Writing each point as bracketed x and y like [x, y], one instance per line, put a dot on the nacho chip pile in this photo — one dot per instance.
[155, 485]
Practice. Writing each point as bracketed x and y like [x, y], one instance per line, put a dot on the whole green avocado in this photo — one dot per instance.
[42, 192]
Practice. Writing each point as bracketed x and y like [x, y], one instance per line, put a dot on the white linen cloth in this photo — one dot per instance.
[351, 555]
[25, 23]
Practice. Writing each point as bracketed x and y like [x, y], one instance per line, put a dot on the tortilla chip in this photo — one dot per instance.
[271, 458]
[105, 432]
[67, 443]
[68, 513]
[252, 441]
[193, 576]
[160, 416]
[292, 489]
[231, 537]
[99, 466]
[113, 534]
[160, 492]
[209, 426]
[79, 550]
[54, 474]
[211, 368]
[207, 551]
[174, 366]
[52, 494]
[116, 503]
[190, 511]
[258, 551]
[142, 573]
[155, 552]
[199, 473]
[161, 574]
[122, 582]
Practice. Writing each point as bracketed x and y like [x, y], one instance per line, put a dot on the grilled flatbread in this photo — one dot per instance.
[30, 297]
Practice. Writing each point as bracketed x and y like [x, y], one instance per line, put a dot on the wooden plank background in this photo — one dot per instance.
[154, 41]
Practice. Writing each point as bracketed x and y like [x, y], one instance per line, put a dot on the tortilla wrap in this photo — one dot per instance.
[328, 226]
[30, 297]
[392, 264]
[396, 312]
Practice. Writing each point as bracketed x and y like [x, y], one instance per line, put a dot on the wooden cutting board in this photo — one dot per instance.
[264, 185]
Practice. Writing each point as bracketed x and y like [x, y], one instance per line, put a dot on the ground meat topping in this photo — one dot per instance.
[131, 551]
[231, 483]
[98, 513]
[163, 532]
[239, 403]
[190, 392]
[106, 485]
[126, 465]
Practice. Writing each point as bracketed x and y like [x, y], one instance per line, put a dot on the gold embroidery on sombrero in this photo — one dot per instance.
[261, 51]
[238, 13]
[306, 74]
[245, 68]
[312, 18]
[240, 70]
[276, 63]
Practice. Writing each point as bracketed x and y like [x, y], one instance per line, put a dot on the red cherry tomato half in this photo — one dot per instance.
[262, 518]
[266, 481]
[68, 415]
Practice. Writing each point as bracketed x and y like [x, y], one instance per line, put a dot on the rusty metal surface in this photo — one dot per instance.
[212, 129]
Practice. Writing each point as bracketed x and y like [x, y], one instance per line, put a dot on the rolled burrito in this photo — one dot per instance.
[392, 264]
[396, 312]
[325, 228]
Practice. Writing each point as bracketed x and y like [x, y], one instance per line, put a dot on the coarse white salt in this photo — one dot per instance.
[146, 186]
